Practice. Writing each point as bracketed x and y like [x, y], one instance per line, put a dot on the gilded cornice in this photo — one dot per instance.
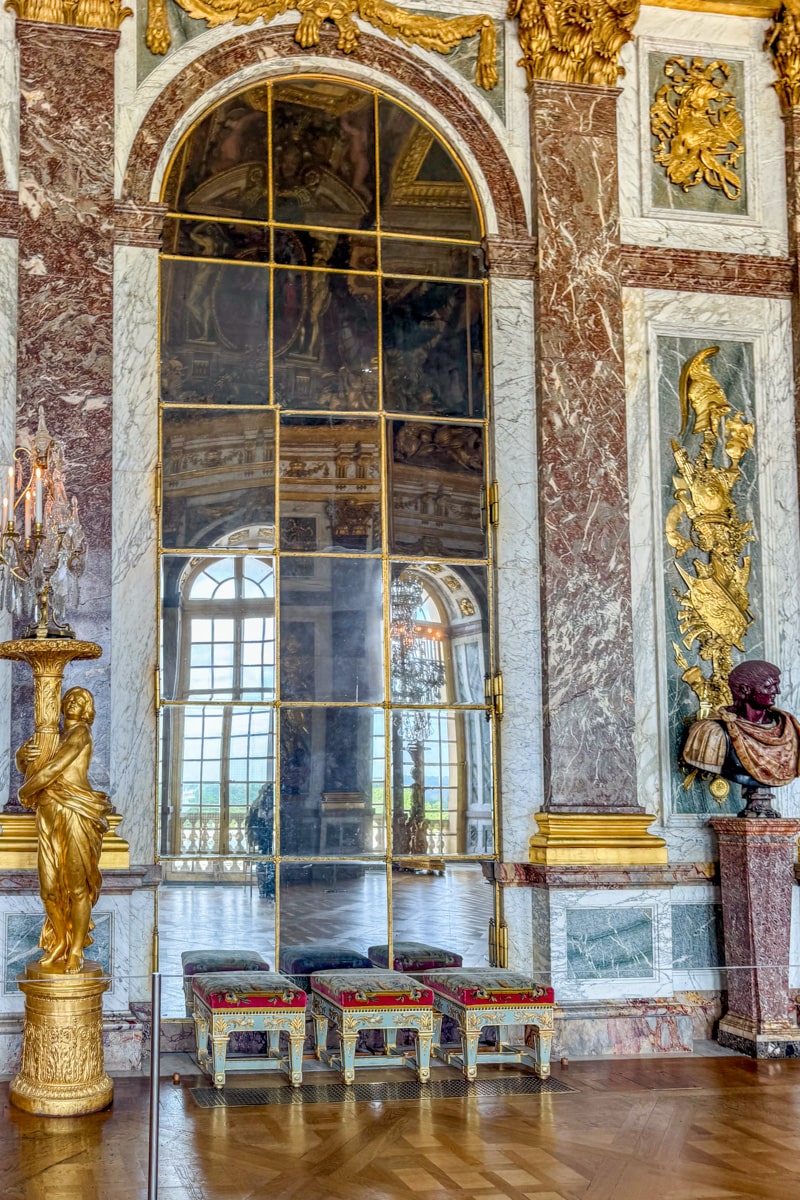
[574, 42]
[88, 14]
[783, 39]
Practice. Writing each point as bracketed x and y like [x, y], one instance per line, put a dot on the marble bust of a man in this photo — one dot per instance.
[750, 742]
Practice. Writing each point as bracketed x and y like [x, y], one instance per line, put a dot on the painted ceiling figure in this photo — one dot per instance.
[749, 742]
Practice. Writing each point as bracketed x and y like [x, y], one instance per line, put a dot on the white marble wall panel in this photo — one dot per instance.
[692, 978]
[709, 36]
[133, 102]
[9, 100]
[133, 596]
[117, 907]
[518, 915]
[634, 953]
[8, 401]
[517, 542]
[765, 325]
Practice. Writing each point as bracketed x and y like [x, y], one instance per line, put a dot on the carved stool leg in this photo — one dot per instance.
[347, 1043]
[389, 1041]
[502, 1036]
[296, 1041]
[423, 1049]
[320, 1034]
[469, 1052]
[437, 1028]
[542, 1039]
[201, 1037]
[219, 1045]
[273, 1042]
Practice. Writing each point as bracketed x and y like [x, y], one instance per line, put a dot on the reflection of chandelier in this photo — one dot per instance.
[417, 678]
[43, 555]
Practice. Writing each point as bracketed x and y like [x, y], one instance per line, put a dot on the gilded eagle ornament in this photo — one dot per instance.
[442, 34]
[697, 127]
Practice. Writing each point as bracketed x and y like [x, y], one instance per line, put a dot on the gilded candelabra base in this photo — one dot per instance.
[62, 1072]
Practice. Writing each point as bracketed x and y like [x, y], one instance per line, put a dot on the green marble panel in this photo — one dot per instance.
[700, 197]
[697, 940]
[734, 369]
[610, 943]
[22, 944]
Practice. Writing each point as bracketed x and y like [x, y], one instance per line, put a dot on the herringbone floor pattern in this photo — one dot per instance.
[702, 1129]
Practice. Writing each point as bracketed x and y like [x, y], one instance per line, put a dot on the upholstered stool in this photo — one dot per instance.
[414, 957]
[475, 998]
[360, 1000]
[229, 1001]
[198, 962]
[300, 962]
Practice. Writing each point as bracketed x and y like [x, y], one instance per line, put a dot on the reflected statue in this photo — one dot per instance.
[70, 821]
[749, 742]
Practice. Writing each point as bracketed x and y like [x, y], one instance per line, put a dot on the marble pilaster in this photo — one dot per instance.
[757, 858]
[585, 541]
[64, 349]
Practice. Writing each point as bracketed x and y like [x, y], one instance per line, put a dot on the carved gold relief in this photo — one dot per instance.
[442, 34]
[574, 42]
[783, 39]
[714, 609]
[89, 14]
[697, 126]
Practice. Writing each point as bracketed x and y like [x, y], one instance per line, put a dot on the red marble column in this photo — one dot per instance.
[756, 859]
[583, 473]
[64, 356]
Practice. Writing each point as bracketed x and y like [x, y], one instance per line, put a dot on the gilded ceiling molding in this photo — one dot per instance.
[574, 42]
[88, 14]
[442, 34]
[783, 39]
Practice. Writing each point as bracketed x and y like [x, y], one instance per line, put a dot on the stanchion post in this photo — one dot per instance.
[155, 1074]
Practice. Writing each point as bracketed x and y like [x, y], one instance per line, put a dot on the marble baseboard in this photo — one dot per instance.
[734, 1036]
[639, 1028]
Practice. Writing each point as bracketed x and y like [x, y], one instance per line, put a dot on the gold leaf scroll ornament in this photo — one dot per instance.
[783, 39]
[574, 41]
[697, 126]
[442, 34]
[714, 610]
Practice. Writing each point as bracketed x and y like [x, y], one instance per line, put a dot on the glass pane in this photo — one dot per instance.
[342, 904]
[214, 333]
[438, 259]
[326, 340]
[439, 633]
[224, 166]
[433, 348]
[231, 915]
[332, 781]
[216, 239]
[218, 629]
[436, 481]
[450, 911]
[218, 478]
[323, 154]
[422, 187]
[342, 251]
[331, 630]
[441, 764]
[330, 480]
[217, 781]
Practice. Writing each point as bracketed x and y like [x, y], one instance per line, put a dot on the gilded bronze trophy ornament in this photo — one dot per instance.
[41, 558]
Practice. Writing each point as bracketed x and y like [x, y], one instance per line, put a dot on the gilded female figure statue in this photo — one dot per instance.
[71, 821]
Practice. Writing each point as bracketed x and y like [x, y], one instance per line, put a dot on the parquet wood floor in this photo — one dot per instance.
[695, 1129]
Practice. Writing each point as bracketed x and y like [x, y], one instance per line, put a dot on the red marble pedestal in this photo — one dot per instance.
[757, 859]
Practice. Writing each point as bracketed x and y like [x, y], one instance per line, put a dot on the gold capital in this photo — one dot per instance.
[783, 39]
[88, 14]
[574, 43]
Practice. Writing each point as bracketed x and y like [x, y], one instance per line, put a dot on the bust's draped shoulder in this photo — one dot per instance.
[706, 745]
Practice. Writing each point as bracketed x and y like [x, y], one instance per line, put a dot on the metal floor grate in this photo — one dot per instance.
[339, 1093]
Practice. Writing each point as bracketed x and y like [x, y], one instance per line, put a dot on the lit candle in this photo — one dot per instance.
[28, 514]
[11, 491]
[5, 512]
[38, 495]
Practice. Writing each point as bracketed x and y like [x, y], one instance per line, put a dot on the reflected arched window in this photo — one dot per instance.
[324, 446]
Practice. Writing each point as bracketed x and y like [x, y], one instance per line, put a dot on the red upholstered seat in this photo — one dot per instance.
[479, 988]
[371, 989]
[247, 989]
